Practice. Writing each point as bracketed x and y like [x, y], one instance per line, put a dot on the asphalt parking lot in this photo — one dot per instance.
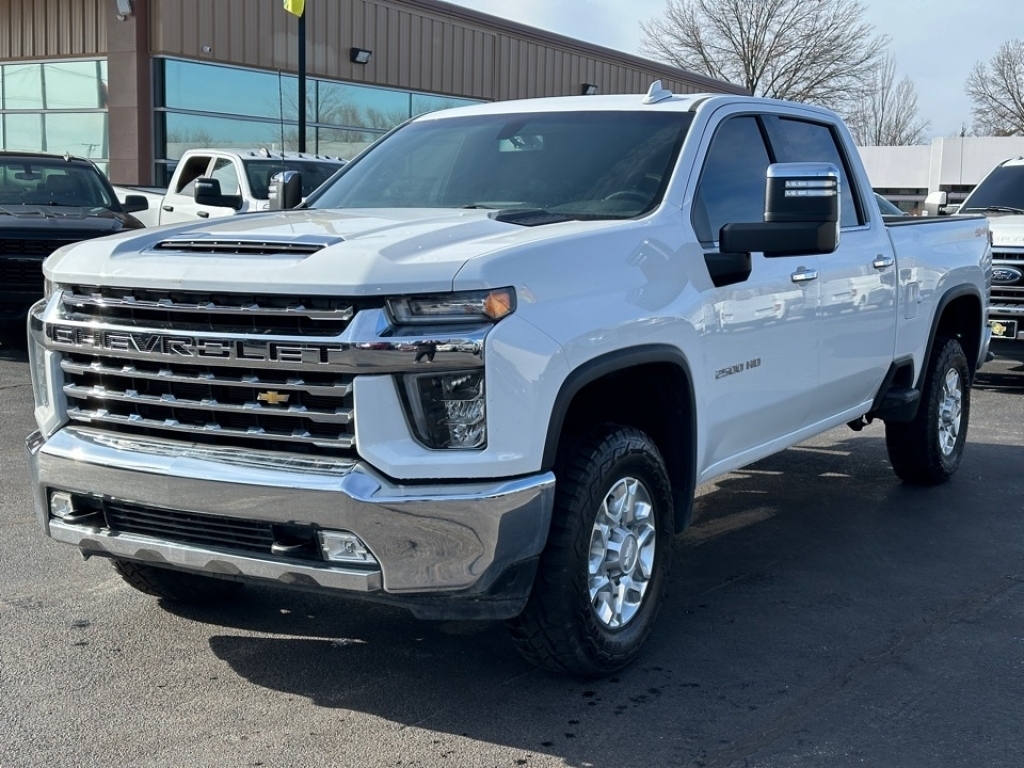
[820, 614]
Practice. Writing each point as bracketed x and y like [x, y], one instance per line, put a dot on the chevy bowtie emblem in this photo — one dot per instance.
[272, 398]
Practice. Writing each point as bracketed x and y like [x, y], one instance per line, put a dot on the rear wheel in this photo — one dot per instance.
[927, 450]
[176, 586]
[603, 574]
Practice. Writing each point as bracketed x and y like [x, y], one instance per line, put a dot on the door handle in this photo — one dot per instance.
[168, 208]
[203, 214]
[804, 275]
[883, 262]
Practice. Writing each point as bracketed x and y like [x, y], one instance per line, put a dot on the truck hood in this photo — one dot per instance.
[1007, 230]
[362, 252]
[83, 221]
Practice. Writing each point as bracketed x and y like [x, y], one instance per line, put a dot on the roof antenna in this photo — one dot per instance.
[656, 93]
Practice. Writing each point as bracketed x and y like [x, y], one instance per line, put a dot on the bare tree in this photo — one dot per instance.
[887, 114]
[815, 51]
[997, 90]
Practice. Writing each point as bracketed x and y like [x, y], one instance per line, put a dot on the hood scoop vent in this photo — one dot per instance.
[235, 247]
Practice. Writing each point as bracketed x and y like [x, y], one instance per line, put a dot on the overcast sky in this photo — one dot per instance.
[935, 42]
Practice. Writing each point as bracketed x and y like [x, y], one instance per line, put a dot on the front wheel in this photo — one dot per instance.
[927, 450]
[603, 574]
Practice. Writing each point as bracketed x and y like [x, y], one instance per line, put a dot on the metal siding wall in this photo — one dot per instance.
[416, 45]
[40, 29]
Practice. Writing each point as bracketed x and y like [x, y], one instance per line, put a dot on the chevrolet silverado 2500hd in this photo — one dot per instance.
[480, 373]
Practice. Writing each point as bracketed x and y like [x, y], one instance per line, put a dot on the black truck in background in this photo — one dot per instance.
[47, 201]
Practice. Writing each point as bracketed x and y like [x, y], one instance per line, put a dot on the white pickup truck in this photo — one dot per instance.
[1000, 196]
[244, 176]
[480, 374]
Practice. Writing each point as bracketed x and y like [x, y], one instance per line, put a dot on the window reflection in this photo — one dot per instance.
[423, 103]
[75, 84]
[358, 107]
[344, 144]
[342, 118]
[23, 86]
[61, 107]
[207, 88]
[84, 135]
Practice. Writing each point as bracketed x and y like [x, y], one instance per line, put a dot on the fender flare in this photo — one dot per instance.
[956, 292]
[620, 360]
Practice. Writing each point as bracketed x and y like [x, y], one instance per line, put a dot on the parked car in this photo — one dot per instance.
[244, 178]
[46, 202]
[481, 371]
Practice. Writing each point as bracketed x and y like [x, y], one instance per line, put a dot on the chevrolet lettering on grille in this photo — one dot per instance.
[179, 346]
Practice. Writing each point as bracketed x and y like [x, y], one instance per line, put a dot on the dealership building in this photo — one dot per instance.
[132, 84]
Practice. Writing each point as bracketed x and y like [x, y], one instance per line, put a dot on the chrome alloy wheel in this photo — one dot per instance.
[950, 411]
[622, 548]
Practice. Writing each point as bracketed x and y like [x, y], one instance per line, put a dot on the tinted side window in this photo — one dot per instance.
[225, 172]
[814, 142]
[732, 183]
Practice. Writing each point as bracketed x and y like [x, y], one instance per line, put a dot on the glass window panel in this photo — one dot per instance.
[74, 85]
[23, 132]
[290, 99]
[225, 172]
[23, 86]
[731, 188]
[344, 144]
[195, 132]
[208, 88]
[814, 142]
[422, 103]
[359, 107]
[80, 134]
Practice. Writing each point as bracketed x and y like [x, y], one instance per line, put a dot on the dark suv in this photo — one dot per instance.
[47, 201]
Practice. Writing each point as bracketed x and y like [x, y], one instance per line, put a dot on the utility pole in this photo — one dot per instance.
[298, 8]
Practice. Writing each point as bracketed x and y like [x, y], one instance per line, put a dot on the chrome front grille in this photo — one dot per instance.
[269, 383]
[1012, 257]
[225, 312]
[1008, 295]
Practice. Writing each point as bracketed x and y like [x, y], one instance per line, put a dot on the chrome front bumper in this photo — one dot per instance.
[453, 540]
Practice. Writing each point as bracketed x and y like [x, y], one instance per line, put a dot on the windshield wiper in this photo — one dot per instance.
[996, 209]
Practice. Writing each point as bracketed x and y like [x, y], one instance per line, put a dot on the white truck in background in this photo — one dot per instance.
[480, 373]
[244, 176]
[1000, 197]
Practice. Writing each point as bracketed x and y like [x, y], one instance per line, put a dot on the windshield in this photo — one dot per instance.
[34, 181]
[593, 165]
[313, 174]
[1001, 189]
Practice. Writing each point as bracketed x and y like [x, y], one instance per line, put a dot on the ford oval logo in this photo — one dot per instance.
[1006, 275]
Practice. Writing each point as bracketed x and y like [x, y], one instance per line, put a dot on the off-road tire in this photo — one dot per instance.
[175, 586]
[915, 448]
[559, 630]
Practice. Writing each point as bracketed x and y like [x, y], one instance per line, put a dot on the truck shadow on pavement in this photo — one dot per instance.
[806, 578]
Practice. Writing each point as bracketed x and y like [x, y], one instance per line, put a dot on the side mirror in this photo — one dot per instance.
[935, 204]
[207, 192]
[135, 203]
[801, 214]
[285, 190]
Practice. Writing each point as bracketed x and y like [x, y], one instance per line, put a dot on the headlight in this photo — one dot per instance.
[447, 410]
[461, 307]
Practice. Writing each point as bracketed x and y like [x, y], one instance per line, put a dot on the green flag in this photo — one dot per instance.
[294, 6]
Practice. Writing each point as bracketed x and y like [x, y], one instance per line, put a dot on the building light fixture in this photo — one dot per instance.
[359, 55]
[588, 89]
